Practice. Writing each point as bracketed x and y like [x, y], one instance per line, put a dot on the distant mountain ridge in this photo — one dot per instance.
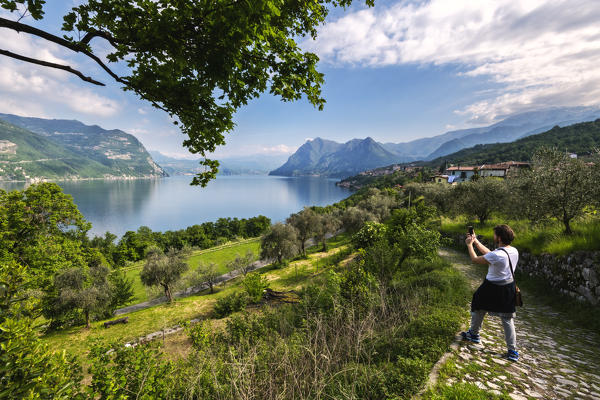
[518, 126]
[254, 164]
[582, 138]
[69, 149]
[328, 158]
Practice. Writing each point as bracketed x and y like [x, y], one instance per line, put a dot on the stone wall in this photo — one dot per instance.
[576, 275]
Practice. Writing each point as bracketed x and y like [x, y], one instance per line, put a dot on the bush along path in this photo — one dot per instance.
[558, 360]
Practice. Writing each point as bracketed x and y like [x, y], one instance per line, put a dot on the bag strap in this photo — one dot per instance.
[509, 263]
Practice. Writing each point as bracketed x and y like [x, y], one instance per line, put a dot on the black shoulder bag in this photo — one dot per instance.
[518, 297]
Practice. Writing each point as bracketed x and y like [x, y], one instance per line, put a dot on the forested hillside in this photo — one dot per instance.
[24, 154]
[113, 153]
[580, 138]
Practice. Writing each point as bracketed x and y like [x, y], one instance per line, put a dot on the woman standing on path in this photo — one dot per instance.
[496, 295]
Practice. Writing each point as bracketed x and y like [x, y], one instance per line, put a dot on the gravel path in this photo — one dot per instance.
[558, 360]
[187, 292]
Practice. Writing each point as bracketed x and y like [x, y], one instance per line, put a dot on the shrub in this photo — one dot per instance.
[246, 329]
[381, 260]
[200, 335]
[322, 299]
[118, 372]
[255, 284]
[358, 287]
[236, 301]
[370, 233]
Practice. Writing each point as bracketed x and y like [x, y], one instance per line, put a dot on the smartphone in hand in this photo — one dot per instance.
[470, 229]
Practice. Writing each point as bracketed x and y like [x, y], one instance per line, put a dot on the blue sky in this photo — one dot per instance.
[396, 72]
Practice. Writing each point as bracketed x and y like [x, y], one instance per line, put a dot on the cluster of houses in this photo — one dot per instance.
[462, 173]
[390, 170]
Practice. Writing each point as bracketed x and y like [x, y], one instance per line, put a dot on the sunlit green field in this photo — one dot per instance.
[295, 275]
[220, 255]
[548, 237]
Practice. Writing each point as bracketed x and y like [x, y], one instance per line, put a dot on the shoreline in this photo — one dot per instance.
[111, 178]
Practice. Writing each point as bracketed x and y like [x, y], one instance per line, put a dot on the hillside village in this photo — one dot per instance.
[452, 174]
[455, 174]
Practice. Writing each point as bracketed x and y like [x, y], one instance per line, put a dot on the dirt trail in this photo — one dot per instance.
[558, 359]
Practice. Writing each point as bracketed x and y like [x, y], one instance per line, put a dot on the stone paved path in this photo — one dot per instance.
[558, 359]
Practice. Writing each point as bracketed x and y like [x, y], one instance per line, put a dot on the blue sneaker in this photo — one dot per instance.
[512, 355]
[471, 337]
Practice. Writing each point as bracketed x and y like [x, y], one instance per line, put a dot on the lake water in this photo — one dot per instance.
[171, 203]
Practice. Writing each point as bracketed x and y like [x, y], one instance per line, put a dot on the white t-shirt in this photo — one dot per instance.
[499, 269]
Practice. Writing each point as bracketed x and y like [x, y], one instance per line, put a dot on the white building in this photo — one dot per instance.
[460, 173]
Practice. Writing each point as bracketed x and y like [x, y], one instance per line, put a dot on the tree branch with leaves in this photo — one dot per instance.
[199, 61]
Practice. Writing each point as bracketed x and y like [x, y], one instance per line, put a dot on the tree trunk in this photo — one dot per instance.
[325, 245]
[87, 319]
[567, 223]
[210, 285]
[168, 293]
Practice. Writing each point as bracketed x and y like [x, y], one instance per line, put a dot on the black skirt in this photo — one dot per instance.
[494, 298]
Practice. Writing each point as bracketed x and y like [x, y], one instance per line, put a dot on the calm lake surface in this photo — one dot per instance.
[171, 203]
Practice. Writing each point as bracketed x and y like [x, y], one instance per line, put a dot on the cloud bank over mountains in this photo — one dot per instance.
[540, 53]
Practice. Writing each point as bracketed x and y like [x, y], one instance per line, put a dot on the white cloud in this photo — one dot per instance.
[278, 149]
[251, 150]
[541, 52]
[29, 87]
[178, 154]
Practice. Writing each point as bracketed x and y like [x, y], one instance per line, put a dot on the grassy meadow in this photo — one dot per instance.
[538, 238]
[291, 277]
[220, 255]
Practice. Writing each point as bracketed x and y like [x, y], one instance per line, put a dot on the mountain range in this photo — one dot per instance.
[582, 139]
[36, 148]
[256, 164]
[328, 158]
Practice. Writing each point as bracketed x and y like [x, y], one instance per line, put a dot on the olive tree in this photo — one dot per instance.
[378, 203]
[163, 270]
[557, 186]
[482, 197]
[440, 195]
[281, 242]
[208, 273]
[354, 218]
[88, 290]
[242, 264]
[305, 223]
[326, 224]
